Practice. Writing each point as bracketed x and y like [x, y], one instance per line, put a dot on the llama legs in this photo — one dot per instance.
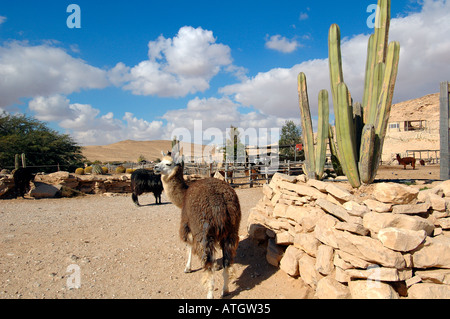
[188, 268]
[226, 279]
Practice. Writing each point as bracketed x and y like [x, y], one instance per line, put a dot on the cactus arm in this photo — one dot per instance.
[322, 133]
[378, 75]
[366, 153]
[307, 131]
[346, 136]
[382, 23]
[385, 101]
[368, 77]
[335, 60]
[376, 53]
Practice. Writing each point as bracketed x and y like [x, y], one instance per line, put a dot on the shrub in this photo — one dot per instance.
[120, 169]
[79, 171]
[97, 169]
[88, 170]
[105, 170]
[130, 170]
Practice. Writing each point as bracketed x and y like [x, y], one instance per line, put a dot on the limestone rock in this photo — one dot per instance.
[307, 242]
[356, 209]
[394, 193]
[437, 276]
[377, 221]
[284, 238]
[352, 228]
[444, 188]
[370, 289]
[274, 253]
[305, 215]
[257, 232]
[308, 272]
[350, 261]
[401, 239]
[369, 249]
[380, 274]
[377, 206]
[42, 190]
[289, 262]
[338, 192]
[411, 209]
[329, 288]
[300, 189]
[444, 222]
[334, 210]
[433, 253]
[324, 260]
[429, 291]
[319, 185]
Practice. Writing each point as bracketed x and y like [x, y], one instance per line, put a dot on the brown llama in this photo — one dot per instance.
[253, 171]
[210, 215]
[406, 161]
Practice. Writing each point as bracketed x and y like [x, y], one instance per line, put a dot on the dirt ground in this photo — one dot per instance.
[117, 250]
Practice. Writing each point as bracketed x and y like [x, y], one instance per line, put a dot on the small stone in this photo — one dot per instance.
[401, 239]
[370, 289]
[394, 193]
[429, 291]
[324, 260]
[329, 288]
[289, 262]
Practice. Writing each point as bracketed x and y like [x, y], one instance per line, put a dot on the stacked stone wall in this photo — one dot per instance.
[386, 240]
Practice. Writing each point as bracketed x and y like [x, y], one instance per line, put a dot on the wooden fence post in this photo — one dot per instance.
[444, 131]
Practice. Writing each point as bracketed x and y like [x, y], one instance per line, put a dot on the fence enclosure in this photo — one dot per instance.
[444, 130]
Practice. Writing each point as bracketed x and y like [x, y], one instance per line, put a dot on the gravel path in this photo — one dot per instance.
[117, 250]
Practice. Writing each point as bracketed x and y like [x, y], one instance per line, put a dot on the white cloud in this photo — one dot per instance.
[176, 66]
[2, 19]
[87, 126]
[43, 70]
[274, 93]
[424, 62]
[281, 44]
[303, 16]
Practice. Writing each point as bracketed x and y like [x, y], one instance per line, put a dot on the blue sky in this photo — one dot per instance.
[141, 69]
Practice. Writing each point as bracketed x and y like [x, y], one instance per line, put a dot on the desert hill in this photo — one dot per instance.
[128, 150]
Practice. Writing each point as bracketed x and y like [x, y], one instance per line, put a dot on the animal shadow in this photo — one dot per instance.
[252, 255]
[154, 204]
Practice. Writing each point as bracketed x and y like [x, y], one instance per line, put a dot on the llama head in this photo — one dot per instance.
[166, 166]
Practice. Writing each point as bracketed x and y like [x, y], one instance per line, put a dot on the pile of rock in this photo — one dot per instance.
[65, 184]
[387, 241]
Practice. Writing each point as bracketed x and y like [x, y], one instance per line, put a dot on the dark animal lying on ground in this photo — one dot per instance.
[144, 181]
[22, 178]
[406, 161]
[422, 162]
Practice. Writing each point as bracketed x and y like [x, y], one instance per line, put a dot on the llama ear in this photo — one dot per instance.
[177, 158]
[163, 154]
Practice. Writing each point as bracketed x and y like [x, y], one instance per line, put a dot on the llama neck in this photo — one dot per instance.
[175, 186]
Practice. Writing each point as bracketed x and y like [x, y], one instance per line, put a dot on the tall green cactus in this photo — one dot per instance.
[315, 155]
[381, 74]
[360, 130]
